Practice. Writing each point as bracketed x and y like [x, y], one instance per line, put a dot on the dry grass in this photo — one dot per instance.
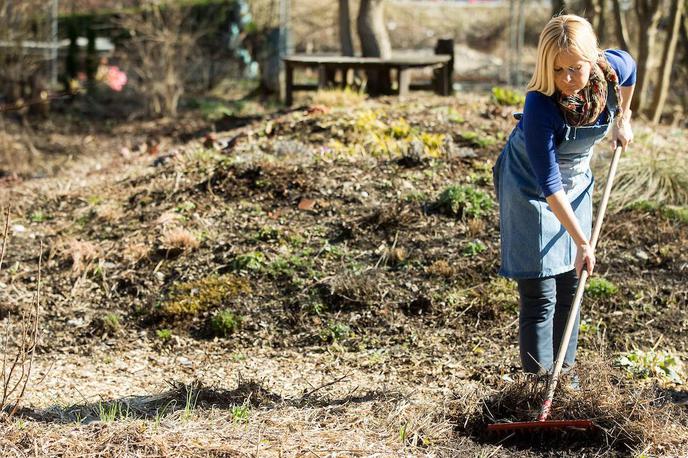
[178, 238]
[249, 420]
[135, 252]
[109, 212]
[441, 268]
[81, 252]
[628, 416]
[654, 169]
[168, 218]
[347, 98]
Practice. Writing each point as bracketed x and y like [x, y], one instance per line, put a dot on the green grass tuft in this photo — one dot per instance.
[187, 299]
[224, 323]
[464, 202]
[601, 288]
[506, 96]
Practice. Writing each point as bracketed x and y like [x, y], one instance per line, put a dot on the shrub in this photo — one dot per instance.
[464, 202]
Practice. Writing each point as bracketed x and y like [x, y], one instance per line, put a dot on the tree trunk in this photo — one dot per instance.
[374, 43]
[591, 11]
[558, 7]
[345, 41]
[649, 13]
[621, 27]
[372, 31]
[601, 21]
[662, 88]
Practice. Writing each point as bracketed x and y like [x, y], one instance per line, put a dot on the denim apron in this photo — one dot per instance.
[534, 244]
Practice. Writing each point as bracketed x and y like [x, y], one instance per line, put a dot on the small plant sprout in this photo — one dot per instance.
[190, 401]
[224, 323]
[268, 234]
[185, 207]
[600, 288]
[38, 217]
[335, 332]
[402, 433]
[587, 327]
[164, 335]
[473, 248]
[251, 261]
[111, 323]
[240, 413]
[160, 414]
[113, 411]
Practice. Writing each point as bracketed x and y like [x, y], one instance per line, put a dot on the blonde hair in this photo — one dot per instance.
[566, 33]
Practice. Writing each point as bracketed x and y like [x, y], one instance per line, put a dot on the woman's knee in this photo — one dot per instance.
[537, 296]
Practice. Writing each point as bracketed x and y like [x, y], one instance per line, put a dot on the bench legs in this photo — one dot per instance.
[289, 84]
[404, 80]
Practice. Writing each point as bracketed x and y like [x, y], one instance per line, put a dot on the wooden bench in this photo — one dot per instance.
[328, 65]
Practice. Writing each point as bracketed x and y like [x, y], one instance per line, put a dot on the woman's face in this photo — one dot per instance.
[571, 72]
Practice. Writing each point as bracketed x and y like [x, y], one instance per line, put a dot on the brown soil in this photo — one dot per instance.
[369, 321]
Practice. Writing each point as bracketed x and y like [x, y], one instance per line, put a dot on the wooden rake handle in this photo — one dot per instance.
[578, 298]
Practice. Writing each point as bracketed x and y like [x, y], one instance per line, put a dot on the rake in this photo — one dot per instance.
[542, 421]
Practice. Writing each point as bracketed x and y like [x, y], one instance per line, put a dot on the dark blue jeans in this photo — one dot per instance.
[545, 304]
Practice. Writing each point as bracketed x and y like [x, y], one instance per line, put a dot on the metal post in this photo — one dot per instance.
[284, 24]
[55, 43]
[511, 56]
[284, 44]
[520, 42]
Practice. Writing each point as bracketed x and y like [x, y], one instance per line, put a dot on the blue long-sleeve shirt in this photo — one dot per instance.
[544, 126]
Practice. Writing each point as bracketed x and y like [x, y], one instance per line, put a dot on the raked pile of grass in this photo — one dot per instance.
[628, 415]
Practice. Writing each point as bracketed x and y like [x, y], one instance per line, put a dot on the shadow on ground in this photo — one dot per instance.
[189, 397]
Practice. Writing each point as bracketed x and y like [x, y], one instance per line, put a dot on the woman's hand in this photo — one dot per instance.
[622, 133]
[585, 257]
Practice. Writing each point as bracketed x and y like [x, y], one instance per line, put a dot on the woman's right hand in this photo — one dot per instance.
[585, 257]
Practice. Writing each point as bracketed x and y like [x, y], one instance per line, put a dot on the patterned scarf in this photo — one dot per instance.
[584, 108]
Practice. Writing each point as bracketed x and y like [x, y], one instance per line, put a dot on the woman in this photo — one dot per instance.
[577, 95]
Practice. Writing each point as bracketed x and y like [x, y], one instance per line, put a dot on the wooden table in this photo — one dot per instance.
[403, 65]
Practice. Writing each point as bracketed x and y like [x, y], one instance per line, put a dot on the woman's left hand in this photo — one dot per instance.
[622, 133]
